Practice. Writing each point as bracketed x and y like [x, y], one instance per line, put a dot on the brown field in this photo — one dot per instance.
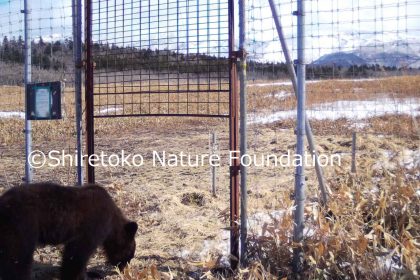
[374, 214]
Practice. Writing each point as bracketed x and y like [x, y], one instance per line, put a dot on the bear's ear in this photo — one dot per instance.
[131, 228]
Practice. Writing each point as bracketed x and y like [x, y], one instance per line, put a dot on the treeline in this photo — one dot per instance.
[316, 72]
[45, 55]
[58, 56]
[265, 70]
[117, 58]
[259, 70]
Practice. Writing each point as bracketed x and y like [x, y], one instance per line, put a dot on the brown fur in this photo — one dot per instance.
[81, 218]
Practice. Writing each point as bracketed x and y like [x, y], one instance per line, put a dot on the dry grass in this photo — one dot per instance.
[263, 98]
[373, 216]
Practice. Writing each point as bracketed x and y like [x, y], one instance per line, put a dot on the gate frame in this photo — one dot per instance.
[233, 120]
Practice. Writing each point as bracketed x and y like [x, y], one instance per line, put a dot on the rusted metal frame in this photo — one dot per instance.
[162, 115]
[89, 101]
[233, 143]
[163, 92]
[233, 120]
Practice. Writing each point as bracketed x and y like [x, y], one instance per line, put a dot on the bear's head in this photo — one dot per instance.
[121, 246]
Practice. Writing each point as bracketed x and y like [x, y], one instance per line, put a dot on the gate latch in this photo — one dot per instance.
[84, 64]
[80, 64]
[239, 54]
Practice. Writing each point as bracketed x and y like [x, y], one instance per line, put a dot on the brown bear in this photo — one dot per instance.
[81, 218]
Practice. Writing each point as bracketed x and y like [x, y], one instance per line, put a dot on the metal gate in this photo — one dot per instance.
[163, 58]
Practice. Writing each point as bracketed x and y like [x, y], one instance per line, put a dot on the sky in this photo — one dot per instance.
[332, 25]
[336, 25]
[51, 19]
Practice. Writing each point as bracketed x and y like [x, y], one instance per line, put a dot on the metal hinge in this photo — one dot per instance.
[81, 64]
[234, 170]
[239, 54]
[84, 65]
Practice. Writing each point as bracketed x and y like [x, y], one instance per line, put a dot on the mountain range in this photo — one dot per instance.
[398, 53]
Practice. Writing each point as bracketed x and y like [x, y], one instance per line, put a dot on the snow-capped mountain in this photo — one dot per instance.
[340, 59]
[397, 53]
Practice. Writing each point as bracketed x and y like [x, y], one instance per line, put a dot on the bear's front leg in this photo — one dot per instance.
[16, 259]
[16, 270]
[75, 258]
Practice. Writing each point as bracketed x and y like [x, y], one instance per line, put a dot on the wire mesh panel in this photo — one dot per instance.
[362, 61]
[163, 58]
[11, 60]
[363, 104]
[50, 33]
[160, 57]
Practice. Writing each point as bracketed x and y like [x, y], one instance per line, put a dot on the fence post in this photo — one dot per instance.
[77, 56]
[243, 131]
[300, 146]
[353, 153]
[89, 120]
[27, 80]
[292, 73]
[213, 147]
[233, 142]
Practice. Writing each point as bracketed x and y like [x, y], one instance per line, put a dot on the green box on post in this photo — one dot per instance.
[44, 101]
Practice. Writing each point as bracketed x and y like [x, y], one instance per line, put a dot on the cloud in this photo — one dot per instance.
[332, 26]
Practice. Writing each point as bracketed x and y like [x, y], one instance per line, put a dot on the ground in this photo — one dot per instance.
[371, 226]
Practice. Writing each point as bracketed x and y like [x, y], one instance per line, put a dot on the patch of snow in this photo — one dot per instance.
[280, 95]
[108, 110]
[219, 245]
[270, 84]
[273, 117]
[289, 83]
[184, 254]
[357, 89]
[8, 115]
[283, 83]
[344, 264]
[257, 221]
[308, 231]
[354, 109]
[410, 159]
[389, 262]
[359, 125]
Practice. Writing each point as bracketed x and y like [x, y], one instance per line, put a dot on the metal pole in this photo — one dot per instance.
[77, 53]
[27, 80]
[243, 131]
[90, 138]
[353, 153]
[300, 147]
[233, 143]
[308, 129]
[213, 167]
